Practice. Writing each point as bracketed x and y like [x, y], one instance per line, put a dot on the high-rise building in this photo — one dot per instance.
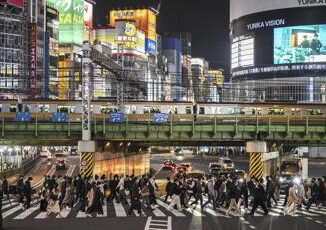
[14, 50]
[51, 53]
[199, 68]
[277, 54]
[185, 39]
[214, 81]
[71, 36]
[171, 49]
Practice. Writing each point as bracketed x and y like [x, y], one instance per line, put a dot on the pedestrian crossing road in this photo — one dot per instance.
[13, 211]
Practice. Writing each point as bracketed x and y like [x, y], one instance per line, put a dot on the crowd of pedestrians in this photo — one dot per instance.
[231, 193]
[63, 193]
[225, 193]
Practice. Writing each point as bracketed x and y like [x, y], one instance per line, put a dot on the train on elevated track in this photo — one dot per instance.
[107, 107]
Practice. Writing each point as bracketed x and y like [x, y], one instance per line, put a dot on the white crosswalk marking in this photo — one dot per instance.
[174, 212]
[64, 213]
[105, 212]
[42, 215]
[158, 213]
[119, 210]
[26, 213]
[16, 213]
[11, 211]
[9, 205]
[81, 214]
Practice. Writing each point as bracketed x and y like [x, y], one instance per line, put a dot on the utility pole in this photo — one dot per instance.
[86, 146]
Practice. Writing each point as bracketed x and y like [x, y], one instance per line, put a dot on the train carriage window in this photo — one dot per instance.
[13, 108]
[188, 110]
[175, 110]
[150, 109]
[133, 109]
[63, 109]
[201, 110]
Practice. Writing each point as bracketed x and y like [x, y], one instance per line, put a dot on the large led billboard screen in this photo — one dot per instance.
[71, 20]
[289, 41]
[300, 44]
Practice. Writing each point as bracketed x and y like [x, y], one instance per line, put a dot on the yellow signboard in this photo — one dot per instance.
[145, 20]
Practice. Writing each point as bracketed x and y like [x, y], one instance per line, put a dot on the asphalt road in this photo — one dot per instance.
[315, 168]
[187, 223]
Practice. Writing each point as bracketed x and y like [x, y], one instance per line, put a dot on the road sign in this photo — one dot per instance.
[59, 117]
[83, 163]
[23, 116]
[160, 118]
[117, 117]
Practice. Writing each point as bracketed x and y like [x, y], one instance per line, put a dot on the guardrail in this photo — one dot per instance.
[26, 167]
[73, 117]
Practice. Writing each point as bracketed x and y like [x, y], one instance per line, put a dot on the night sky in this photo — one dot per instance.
[206, 20]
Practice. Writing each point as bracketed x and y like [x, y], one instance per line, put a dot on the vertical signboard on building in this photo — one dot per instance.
[71, 20]
[46, 64]
[88, 14]
[33, 75]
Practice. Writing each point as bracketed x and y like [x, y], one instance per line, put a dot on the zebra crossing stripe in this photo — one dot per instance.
[158, 213]
[64, 213]
[105, 212]
[81, 214]
[11, 211]
[42, 215]
[213, 212]
[9, 205]
[174, 212]
[26, 213]
[7, 201]
[119, 210]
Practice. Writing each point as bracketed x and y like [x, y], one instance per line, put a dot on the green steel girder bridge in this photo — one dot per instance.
[179, 129]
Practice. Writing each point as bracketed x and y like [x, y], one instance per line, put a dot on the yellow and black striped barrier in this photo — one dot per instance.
[255, 166]
[87, 164]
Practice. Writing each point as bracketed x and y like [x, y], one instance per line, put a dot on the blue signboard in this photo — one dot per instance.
[160, 118]
[150, 46]
[23, 116]
[59, 117]
[116, 117]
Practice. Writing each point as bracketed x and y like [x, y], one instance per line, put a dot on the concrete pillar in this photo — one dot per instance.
[255, 148]
[87, 157]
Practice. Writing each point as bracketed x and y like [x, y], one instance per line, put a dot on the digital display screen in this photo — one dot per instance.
[300, 44]
[242, 52]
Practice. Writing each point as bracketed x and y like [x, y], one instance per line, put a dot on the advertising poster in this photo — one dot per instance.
[71, 20]
[300, 44]
[145, 20]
